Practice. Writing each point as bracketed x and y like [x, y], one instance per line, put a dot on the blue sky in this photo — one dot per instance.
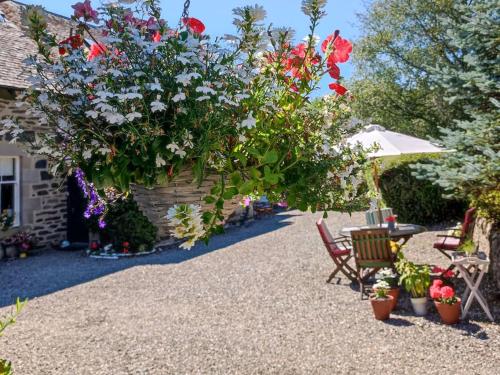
[217, 16]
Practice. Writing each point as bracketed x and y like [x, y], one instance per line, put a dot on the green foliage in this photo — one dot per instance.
[488, 204]
[414, 277]
[415, 200]
[468, 247]
[127, 223]
[381, 289]
[5, 321]
[402, 40]
[473, 168]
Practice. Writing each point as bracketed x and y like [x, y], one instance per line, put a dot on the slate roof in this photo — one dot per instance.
[15, 46]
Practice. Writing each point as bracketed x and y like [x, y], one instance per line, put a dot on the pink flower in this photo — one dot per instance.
[84, 10]
[447, 292]
[437, 283]
[448, 274]
[435, 292]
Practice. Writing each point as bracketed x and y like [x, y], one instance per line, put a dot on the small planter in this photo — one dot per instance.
[394, 292]
[450, 314]
[11, 251]
[391, 225]
[419, 305]
[382, 307]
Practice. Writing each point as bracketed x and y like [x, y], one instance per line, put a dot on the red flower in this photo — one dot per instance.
[75, 41]
[448, 274]
[300, 50]
[96, 50]
[339, 89]
[194, 25]
[391, 219]
[157, 37]
[333, 70]
[447, 292]
[84, 10]
[341, 48]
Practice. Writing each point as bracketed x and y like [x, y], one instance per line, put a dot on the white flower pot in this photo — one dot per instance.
[419, 305]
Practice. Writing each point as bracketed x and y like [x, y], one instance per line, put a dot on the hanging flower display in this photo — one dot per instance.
[140, 101]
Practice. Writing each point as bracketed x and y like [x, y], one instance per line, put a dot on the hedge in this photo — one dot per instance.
[417, 201]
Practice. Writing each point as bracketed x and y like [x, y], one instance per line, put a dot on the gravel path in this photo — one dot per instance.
[254, 301]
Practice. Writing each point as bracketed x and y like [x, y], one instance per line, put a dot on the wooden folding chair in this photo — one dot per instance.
[372, 251]
[339, 250]
[447, 244]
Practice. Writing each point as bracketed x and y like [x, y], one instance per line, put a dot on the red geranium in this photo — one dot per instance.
[447, 292]
[435, 292]
[96, 50]
[75, 41]
[341, 48]
[157, 37]
[339, 89]
[333, 70]
[194, 25]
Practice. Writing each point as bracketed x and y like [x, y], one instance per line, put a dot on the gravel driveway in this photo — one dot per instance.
[254, 301]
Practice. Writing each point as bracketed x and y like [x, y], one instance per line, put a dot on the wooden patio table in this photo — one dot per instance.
[402, 232]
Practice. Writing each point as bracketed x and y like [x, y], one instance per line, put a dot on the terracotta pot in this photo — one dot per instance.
[382, 307]
[394, 292]
[450, 314]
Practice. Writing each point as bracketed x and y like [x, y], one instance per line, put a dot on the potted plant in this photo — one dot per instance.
[416, 280]
[468, 247]
[447, 304]
[391, 278]
[391, 222]
[24, 242]
[381, 300]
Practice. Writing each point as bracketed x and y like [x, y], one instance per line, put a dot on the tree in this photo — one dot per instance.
[401, 41]
[472, 82]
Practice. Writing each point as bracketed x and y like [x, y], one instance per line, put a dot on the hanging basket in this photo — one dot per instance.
[155, 202]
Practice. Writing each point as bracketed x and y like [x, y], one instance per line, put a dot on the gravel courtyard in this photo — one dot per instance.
[254, 301]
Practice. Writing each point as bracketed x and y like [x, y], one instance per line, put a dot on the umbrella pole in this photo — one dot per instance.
[377, 187]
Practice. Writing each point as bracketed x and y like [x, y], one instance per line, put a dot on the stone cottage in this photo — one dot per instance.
[37, 199]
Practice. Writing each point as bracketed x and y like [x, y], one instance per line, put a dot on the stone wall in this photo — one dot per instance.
[487, 236]
[156, 202]
[42, 197]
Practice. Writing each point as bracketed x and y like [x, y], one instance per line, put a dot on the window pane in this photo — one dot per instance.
[7, 169]
[7, 197]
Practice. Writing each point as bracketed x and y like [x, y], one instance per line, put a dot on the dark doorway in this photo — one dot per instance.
[77, 227]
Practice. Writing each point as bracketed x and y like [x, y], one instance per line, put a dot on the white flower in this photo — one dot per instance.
[250, 122]
[174, 147]
[178, 97]
[87, 154]
[311, 6]
[71, 91]
[185, 79]
[206, 90]
[132, 116]
[155, 86]
[92, 114]
[114, 117]
[202, 98]
[315, 39]
[256, 12]
[160, 162]
[157, 105]
[187, 223]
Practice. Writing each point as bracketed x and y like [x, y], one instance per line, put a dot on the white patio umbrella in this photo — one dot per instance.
[390, 144]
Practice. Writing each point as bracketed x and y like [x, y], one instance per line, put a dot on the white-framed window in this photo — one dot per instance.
[10, 186]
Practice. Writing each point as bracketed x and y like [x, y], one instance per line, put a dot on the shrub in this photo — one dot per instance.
[417, 201]
[127, 223]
